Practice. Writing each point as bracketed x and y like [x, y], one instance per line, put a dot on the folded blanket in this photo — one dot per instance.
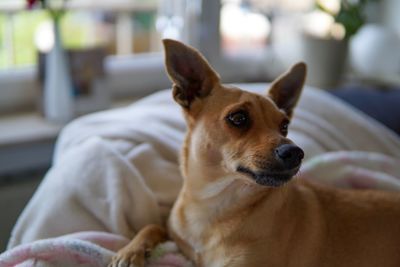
[73, 250]
[85, 249]
[116, 171]
[356, 170]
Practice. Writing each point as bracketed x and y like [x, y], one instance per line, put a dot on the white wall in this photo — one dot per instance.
[391, 14]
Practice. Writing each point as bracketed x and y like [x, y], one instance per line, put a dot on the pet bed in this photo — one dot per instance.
[116, 171]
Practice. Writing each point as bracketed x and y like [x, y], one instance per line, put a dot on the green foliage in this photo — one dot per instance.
[351, 15]
[145, 20]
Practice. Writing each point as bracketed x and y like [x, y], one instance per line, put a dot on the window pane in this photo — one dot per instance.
[246, 25]
[243, 27]
[121, 27]
[2, 48]
[23, 26]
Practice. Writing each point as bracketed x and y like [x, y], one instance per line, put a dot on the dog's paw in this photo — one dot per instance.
[134, 258]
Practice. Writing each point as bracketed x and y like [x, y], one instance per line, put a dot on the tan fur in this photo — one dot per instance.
[136, 251]
[224, 218]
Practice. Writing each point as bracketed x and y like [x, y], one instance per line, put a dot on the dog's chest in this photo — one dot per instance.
[205, 243]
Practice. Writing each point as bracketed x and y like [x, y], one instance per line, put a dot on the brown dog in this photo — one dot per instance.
[238, 205]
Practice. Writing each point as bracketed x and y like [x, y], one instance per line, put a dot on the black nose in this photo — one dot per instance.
[289, 155]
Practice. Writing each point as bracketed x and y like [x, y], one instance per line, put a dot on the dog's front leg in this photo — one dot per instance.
[134, 254]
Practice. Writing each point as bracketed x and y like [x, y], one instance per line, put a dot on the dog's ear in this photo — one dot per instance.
[191, 74]
[285, 90]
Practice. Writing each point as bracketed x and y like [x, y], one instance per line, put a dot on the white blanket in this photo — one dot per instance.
[117, 170]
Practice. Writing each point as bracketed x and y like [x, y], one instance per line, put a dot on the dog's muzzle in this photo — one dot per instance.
[273, 179]
[287, 163]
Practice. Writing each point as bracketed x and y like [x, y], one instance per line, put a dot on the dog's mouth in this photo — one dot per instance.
[267, 178]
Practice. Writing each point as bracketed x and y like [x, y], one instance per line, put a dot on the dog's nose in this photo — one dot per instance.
[289, 155]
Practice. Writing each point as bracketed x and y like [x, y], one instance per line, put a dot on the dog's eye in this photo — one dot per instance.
[238, 119]
[284, 127]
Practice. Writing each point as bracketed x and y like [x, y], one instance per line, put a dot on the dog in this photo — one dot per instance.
[239, 205]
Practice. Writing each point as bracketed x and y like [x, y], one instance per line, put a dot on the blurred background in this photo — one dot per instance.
[104, 54]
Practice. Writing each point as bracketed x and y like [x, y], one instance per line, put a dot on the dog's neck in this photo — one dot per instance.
[228, 194]
[202, 205]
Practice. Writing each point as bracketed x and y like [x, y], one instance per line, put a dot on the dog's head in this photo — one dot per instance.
[232, 132]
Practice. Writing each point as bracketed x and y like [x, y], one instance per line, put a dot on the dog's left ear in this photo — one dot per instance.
[190, 72]
[285, 90]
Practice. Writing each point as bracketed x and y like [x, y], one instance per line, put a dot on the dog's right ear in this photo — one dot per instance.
[190, 72]
[285, 90]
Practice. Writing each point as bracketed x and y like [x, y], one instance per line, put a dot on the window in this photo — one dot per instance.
[123, 28]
